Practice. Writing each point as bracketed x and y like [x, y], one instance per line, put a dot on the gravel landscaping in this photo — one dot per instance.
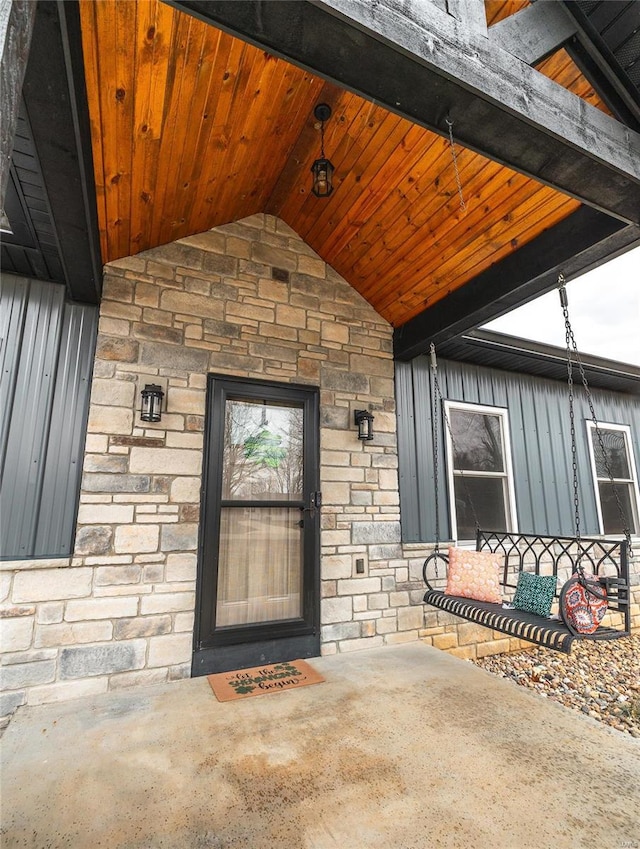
[601, 679]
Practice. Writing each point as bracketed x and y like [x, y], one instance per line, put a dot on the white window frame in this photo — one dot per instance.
[507, 475]
[633, 480]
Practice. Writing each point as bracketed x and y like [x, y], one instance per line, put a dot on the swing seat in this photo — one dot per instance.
[541, 555]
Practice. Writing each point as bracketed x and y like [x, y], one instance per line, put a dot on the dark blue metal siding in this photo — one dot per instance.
[47, 360]
[540, 444]
[12, 308]
[65, 444]
[29, 416]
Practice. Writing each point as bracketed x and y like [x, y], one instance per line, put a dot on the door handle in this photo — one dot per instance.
[310, 510]
[315, 502]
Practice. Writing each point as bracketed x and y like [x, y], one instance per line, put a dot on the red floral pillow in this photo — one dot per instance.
[583, 603]
[474, 574]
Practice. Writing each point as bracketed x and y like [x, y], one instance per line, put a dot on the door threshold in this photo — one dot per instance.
[244, 655]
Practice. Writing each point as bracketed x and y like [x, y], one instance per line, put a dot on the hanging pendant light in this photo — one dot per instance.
[322, 169]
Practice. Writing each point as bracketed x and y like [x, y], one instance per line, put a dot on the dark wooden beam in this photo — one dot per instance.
[470, 13]
[423, 64]
[534, 32]
[16, 25]
[598, 63]
[56, 105]
[581, 242]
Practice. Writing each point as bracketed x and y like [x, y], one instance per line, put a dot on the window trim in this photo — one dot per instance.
[626, 430]
[507, 475]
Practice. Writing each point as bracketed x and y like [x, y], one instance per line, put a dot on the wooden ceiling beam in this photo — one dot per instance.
[597, 62]
[582, 241]
[533, 33]
[471, 13]
[423, 64]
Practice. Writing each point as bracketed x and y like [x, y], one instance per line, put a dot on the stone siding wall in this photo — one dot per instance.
[247, 299]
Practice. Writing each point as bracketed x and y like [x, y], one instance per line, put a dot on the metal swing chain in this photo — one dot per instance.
[434, 433]
[574, 463]
[572, 349]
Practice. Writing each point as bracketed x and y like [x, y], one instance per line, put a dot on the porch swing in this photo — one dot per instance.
[568, 560]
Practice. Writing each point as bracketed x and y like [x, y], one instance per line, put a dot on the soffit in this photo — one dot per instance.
[510, 353]
[31, 250]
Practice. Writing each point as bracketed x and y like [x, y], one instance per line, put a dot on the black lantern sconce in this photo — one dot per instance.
[364, 423]
[322, 169]
[151, 409]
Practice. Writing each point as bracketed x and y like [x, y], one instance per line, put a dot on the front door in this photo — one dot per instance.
[258, 571]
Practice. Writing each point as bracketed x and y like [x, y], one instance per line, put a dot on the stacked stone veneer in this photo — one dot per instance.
[120, 612]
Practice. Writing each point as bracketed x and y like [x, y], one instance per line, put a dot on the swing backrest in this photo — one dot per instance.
[560, 556]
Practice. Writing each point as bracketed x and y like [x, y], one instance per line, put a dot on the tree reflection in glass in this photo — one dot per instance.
[262, 452]
[477, 442]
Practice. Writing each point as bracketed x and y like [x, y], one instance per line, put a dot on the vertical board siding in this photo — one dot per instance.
[540, 444]
[45, 392]
[12, 309]
[65, 443]
[29, 418]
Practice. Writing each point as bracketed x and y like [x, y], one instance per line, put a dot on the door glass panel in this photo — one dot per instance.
[487, 496]
[477, 442]
[260, 566]
[262, 452]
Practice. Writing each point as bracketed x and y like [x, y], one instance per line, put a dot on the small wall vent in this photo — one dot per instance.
[280, 274]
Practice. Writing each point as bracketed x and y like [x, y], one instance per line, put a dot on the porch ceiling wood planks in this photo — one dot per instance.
[394, 228]
[193, 128]
[578, 242]
[190, 126]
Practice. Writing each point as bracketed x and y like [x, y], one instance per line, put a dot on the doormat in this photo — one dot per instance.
[244, 683]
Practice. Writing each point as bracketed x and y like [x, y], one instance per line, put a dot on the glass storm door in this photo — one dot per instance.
[258, 581]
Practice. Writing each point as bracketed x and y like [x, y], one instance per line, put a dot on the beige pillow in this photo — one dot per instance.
[474, 574]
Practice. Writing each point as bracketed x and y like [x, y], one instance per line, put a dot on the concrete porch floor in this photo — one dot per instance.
[403, 748]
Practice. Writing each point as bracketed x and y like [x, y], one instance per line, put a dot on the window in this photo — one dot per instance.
[616, 452]
[479, 470]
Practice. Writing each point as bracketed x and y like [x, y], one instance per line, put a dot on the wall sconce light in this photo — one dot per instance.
[364, 422]
[322, 169]
[151, 409]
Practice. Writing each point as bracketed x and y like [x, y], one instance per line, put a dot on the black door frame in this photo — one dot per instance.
[234, 648]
